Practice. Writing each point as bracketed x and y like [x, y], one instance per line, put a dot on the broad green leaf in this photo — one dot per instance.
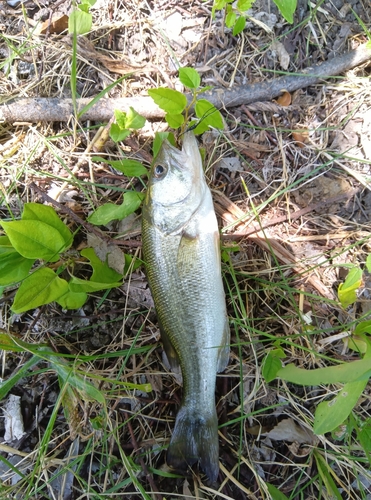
[159, 139]
[13, 266]
[330, 414]
[80, 22]
[109, 211]
[131, 168]
[275, 493]
[134, 120]
[102, 273]
[89, 2]
[363, 327]
[189, 78]
[326, 473]
[174, 121]
[41, 287]
[364, 436]
[118, 134]
[12, 343]
[287, 9]
[347, 290]
[120, 117]
[230, 19]
[239, 26]
[272, 364]
[43, 213]
[35, 239]
[368, 263]
[128, 263]
[352, 371]
[208, 115]
[243, 5]
[157, 142]
[72, 300]
[78, 285]
[169, 100]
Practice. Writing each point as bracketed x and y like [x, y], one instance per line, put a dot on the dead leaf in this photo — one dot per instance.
[283, 56]
[289, 430]
[284, 99]
[57, 24]
[301, 138]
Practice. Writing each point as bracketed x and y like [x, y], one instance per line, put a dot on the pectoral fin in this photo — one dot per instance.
[171, 355]
[223, 356]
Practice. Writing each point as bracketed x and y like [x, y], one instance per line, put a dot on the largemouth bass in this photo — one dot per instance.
[182, 255]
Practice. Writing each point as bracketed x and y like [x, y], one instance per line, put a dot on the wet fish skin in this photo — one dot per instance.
[182, 254]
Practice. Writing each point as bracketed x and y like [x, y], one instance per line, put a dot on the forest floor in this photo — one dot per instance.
[299, 166]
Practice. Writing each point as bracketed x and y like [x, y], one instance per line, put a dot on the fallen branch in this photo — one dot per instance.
[58, 109]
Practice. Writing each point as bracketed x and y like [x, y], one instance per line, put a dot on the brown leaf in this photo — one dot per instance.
[57, 24]
[284, 99]
[301, 138]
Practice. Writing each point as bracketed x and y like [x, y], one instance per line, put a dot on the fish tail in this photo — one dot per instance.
[195, 439]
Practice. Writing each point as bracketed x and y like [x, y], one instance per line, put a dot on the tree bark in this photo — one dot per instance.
[61, 110]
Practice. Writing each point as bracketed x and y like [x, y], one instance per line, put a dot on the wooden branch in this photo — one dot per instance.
[59, 109]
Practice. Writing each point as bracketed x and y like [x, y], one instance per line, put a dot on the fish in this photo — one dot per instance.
[181, 251]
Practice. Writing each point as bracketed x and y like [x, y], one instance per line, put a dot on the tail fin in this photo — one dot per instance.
[195, 438]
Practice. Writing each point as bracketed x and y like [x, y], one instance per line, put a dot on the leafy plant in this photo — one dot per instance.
[236, 12]
[178, 109]
[36, 256]
[81, 20]
[354, 374]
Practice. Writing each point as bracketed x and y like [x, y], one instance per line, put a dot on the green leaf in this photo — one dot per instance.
[120, 117]
[352, 371]
[174, 121]
[272, 364]
[157, 142]
[209, 116]
[230, 19]
[287, 9]
[72, 300]
[244, 5]
[330, 414]
[347, 290]
[78, 285]
[364, 436]
[43, 213]
[363, 327]
[239, 26]
[35, 239]
[189, 78]
[41, 287]
[134, 120]
[368, 263]
[275, 493]
[118, 134]
[109, 211]
[102, 273]
[131, 168]
[80, 22]
[169, 100]
[13, 266]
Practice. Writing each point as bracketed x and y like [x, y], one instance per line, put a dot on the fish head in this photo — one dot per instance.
[176, 186]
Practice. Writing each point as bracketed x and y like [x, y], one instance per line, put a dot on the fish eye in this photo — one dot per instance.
[159, 170]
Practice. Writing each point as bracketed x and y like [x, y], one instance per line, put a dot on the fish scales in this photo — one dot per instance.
[182, 255]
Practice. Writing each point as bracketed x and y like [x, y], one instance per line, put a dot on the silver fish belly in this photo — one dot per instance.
[182, 255]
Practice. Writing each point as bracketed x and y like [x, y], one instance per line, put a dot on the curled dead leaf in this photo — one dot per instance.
[284, 99]
[300, 137]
